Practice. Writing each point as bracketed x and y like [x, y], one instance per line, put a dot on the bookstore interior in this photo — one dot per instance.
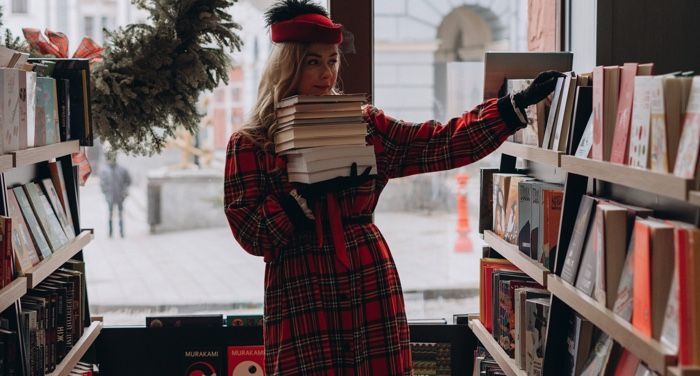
[590, 214]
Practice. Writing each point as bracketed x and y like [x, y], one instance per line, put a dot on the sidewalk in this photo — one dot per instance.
[207, 271]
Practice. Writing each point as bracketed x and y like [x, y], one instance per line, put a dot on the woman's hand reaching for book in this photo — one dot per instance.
[539, 89]
[316, 190]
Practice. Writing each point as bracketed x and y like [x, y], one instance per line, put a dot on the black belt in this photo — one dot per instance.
[359, 220]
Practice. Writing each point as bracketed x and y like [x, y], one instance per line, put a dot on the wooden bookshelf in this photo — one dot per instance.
[49, 265]
[78, 350]
[44, 153]
[6, 162]
[646, 180]
[507, 363]
[12, 292]
[531, 153]
[512, 253]
[694, 197]
[649, 350]
[684, 371]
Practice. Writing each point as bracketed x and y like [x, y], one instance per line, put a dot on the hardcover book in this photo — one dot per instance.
[9, 109]
[246, 360]
[42, 246]
[689, 147]
[47, 219]
[578, 239]
[202, 361]
[640, 136]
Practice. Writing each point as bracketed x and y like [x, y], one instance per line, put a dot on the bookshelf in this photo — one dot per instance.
[531, 153]
[44, 153]
[694, 197]
[78, 350]
[12, 292]
[507, 363]
[49, 265]
[517, 258]
[666, 185]
[649, 350]
[6, 162]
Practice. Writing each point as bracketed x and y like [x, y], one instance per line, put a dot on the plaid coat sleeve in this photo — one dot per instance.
[405, 149]
[257, 216]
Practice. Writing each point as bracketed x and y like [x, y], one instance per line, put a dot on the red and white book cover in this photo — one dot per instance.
[598, 91]
[246, 360]
[687, 159]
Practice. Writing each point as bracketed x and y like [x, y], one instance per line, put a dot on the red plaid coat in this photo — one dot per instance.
[321, 317]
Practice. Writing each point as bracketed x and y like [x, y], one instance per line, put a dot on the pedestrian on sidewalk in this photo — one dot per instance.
[114, 182]
[333, 299]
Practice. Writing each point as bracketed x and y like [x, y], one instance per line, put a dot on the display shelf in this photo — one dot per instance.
[49, 265]
[6, 162]
[684, 371]
[652, 352]
[694, 197]
[44, 153]
[517, 258]
[12, 292]
[78, 350]
[646, 180]
[531, 153]
[507, 363]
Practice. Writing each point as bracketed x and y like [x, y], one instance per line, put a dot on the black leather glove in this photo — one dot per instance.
[539, 89]
[316, 190]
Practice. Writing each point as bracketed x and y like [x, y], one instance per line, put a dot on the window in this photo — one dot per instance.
[428, 64]
[89, 26]
[19, 7]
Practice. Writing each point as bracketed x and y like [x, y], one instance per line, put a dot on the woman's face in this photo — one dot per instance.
[319, 70]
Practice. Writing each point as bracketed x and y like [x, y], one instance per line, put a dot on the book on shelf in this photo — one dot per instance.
[560, 134]
[610, 257]
[578, 239]
[10, 109]
[497, 277]
[487, 266]
[47, 219]
[623, 297]
[245, 360]
[56, 172]
[585, 145]
[552, 201]
[537, 311]
[6, 271]
[244, 320]
[628, 92]
[502, 198]
[579, 342]
[580, 118]
[52, 196]
[46, 131]
[26, 254]
[524, 216]
[533, 133]
[653, 271]
[687, 165]
[554, 109]
[640, 128]
[27, 109]
[486, 198]
[42, 246]
[606, 84]
[668, 101]
[506, 311]
[521, 296]
[512, 228]
[198, 321]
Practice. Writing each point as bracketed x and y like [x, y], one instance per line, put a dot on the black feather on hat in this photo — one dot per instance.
[287, 9]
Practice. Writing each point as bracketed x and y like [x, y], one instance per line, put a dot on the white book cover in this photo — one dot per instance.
[659, 149]
[640, 128]
[687, 159]
[9, 109]
[584, 146]
[27, 108]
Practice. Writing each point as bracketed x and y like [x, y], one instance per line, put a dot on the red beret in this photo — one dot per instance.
[307, 28]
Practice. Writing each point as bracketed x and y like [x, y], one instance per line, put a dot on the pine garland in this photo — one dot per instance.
[11, 41]
[150, 79]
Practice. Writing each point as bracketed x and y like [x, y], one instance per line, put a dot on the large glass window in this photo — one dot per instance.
[19, 6]
[428, 64]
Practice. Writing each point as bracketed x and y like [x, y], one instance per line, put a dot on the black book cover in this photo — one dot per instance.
[202, 361]
[582, 111]
[63, 88]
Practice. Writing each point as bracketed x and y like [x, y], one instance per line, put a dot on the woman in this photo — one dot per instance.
[333, 300]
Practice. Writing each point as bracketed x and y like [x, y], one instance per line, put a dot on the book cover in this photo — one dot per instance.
[627, 365]
[586, 144]
[47, 110]
[689, 146]
[553, 113]
[501, 184]
[578, 239]
[585, 281]
[486, 198]
[507, 312]
[537, 315]
[658, 148]
[511, 219]
[521, 296]
[63, 88]
[21, 237]
[354, 97]
[320, 108]
[487, 267]
[563, 123]
[610, 257]
[6, 272]
[60, 213]
[582, 113]
[653, 272]
[623, 300]
[498, 297]
[640, 136]
[606, 81]
[47, 219]
[540, 187]
[56, 171]
[579, 341]
[246, 360]
[624, 113]
[535, 215]
[27, 109]
[244, 320]
[669, 328]
[42, 246]
[315, 142]
[9, 109]
[531, 133]
[676, 93]
[552, 205]
[524, 215]
[202, 361]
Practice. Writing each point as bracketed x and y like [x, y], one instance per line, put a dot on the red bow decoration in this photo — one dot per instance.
[55, 43]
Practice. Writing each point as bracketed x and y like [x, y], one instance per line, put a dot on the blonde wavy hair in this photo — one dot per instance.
[279, 80]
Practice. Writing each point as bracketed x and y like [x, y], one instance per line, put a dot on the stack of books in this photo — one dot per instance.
[322, 136]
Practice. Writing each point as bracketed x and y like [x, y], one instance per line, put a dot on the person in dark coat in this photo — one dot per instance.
[333, 299]
[114, 182]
